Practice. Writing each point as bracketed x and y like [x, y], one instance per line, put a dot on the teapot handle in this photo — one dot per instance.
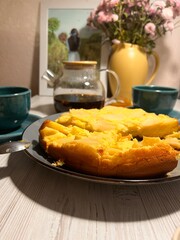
[156, 67]
[50, 77]
[116, 93]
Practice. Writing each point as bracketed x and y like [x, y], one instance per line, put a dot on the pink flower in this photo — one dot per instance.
[102, 5]
[174, 2]
[157, 7]
[159, 4]
[115, 17]
[101, 17]
[169, 26]
[150, 28]
[143, 3]
[104, 17]
[167, 13]
[176, 8]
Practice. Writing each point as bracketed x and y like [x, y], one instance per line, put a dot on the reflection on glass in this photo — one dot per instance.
[69, 39]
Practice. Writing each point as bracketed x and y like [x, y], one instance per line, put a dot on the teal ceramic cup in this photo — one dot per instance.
[14, 107]
[157, 99]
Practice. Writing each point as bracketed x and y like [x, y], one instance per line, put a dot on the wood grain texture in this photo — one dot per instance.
[39, 203]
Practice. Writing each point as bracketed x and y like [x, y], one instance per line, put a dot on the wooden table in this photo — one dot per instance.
[40, 204]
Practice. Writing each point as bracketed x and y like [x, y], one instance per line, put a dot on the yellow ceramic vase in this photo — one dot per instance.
[130, 62]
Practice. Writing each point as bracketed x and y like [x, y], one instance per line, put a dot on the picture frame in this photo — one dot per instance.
[68, 5]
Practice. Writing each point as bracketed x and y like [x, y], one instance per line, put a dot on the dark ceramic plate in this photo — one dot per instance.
[37, 153]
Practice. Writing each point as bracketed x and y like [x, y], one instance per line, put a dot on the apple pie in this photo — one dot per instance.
[113, 142]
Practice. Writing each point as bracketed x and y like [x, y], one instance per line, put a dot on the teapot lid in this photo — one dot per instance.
[79, 64]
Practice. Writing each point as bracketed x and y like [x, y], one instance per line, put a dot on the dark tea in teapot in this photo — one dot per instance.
[64, 102]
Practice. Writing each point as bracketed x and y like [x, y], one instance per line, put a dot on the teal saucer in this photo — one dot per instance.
[17, 134]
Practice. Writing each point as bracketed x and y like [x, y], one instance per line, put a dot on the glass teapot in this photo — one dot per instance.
[80, 86]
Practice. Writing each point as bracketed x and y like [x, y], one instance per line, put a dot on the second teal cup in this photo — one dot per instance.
[157, 99]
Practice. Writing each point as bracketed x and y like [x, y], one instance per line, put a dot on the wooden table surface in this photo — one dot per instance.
[37, 203]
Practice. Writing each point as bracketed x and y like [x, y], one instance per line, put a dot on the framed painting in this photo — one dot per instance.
[60, 22]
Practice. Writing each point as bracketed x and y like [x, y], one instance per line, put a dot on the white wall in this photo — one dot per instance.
[168, 49]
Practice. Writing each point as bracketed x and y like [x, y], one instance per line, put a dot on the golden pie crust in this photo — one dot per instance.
[113, 142]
